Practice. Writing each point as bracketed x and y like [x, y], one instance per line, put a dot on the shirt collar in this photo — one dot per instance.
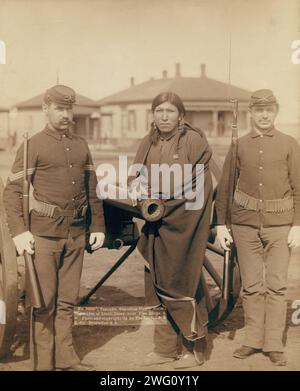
[269, 133]
[57, 135]
[167, 138]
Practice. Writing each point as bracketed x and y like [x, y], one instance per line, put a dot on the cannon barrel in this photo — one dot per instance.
[119, 211]
[147, 209]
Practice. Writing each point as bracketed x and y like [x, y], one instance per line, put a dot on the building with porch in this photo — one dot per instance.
[127, 114]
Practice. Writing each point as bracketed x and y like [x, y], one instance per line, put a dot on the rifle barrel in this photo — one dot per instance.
[32, 285]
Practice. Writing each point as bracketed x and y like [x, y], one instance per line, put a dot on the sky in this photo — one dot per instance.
[95, 46]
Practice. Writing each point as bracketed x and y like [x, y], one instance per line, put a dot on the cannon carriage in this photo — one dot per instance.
[220, 281]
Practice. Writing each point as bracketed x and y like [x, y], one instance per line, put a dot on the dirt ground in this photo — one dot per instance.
[111, 348]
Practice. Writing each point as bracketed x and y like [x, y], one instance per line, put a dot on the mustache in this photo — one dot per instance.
[67, 121]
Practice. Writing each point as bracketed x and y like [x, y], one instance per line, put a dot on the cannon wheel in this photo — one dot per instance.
[8, 284]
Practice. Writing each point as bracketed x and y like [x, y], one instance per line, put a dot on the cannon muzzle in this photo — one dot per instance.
[147, 209]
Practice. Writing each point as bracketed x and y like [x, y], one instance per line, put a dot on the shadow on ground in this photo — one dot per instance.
[95, 337]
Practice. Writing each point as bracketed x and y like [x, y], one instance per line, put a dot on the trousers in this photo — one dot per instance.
[263, 256]
[58, 263]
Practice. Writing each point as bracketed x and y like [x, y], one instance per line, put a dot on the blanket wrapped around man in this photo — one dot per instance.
[176, 255]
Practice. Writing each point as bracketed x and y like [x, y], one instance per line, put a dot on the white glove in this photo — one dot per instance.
[24, 242]
[138, 189]
[224, 236]
[96, 240]
[294, 236]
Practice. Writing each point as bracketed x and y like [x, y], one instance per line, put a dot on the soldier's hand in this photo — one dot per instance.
[294, 237]
[96, 240]
[224, 237]
[138, 191]
[24, 242]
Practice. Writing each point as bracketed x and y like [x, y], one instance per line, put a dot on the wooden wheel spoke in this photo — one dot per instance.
[205, 290]
[215, 249]
[213, 272]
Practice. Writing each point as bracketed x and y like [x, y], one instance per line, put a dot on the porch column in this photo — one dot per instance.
[87, 127]
[248, 120]
[214, 132]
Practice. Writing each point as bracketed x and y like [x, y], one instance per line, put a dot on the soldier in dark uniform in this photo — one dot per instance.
[61, 171]
[265, 224]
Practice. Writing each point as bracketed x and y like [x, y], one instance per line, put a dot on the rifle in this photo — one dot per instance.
[32, 287]
[226, 302]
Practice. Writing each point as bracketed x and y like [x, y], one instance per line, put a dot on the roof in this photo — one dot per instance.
[37, 101]
[3, 109]
[188, 88]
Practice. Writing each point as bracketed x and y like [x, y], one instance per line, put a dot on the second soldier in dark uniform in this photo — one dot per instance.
[60, 169]
[265, 224]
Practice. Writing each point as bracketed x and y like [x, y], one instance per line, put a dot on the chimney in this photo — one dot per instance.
[203, 70]
[165, 74]
[177, 73]
[131, 81]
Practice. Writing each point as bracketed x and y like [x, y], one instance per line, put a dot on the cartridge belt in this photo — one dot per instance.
[54, 211]
[273, 206]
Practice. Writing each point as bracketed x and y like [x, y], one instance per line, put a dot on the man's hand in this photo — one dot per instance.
[294, 236]
[96, 240]
[224, 237]
[138, 189]
[24, 242]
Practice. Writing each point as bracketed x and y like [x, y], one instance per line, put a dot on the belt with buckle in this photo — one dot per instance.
[54, 211]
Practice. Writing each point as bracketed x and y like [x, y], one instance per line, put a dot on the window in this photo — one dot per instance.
[131, 121]
[106, 126]
[124, 122]
[149, 119]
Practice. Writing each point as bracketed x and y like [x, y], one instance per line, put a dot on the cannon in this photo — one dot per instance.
[220, 281]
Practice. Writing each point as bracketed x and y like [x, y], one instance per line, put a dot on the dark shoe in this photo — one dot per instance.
[156, 359]
[78, 367]
[199, 350]
[245, 352]
[277, 358]
[186, 360]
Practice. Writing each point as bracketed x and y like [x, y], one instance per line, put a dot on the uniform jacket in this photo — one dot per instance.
[60, 169]
[268, 169]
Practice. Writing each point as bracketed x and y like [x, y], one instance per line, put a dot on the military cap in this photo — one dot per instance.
[60, 94]
[262, 98]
